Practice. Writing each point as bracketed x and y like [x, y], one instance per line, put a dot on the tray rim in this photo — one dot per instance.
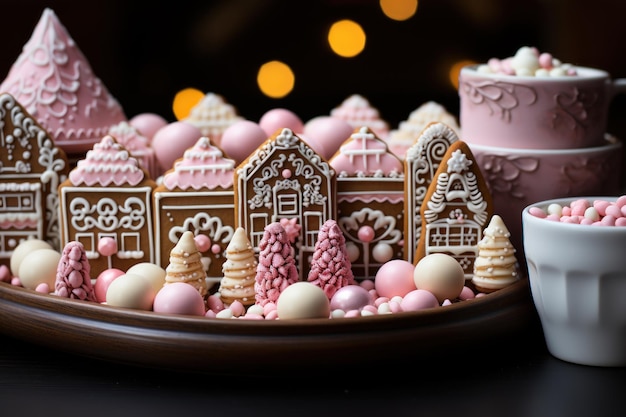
[211, 345]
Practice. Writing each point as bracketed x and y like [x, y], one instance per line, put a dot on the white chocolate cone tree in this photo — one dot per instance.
[239, 270]
[186, 264]
[495, 266]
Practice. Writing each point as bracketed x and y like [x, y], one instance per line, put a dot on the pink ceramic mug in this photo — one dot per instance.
[533, 112]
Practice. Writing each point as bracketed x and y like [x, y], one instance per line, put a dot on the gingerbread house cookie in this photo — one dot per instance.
[54, 82]
[456, 209]
[420, 164]
[409, 130]
[358, 111]
[108, 195]
[213, 115]
[137, 144]
[197, 195]
[285, 179]
[31, 169]
[370, 201]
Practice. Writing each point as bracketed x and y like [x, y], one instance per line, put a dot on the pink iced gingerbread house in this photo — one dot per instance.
[284, 178]
[197, 195]
[370, 201]
[54, 82]
[31, 169]
[109, 195]
[137, 144]
[421, 161]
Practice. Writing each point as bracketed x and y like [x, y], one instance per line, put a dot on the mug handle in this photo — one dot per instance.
[618, 86]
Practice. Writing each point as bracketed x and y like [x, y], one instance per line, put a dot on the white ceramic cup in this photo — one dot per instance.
[577, 276]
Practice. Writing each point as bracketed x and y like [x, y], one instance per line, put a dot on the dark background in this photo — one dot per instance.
[145, 53]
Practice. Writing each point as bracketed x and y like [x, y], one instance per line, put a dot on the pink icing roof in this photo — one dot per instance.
[138, 145]
[54, 82]
[357, 111]
[107, 163]
[202, 166]
[365, 154]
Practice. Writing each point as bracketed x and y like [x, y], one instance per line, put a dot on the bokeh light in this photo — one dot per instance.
[399, 9]
[346, 38]
[184, 101]
[455, 70]
[275, 79]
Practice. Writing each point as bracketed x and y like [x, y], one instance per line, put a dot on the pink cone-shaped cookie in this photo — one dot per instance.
[277, 267]
[331, 268]
[72, 279]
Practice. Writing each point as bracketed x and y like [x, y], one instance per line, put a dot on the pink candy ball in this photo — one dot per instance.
[395, 278]
[278, 118]
[203, 242]
[242, 138]
[179, 298]
[171, 142]
[350, 297]
[326, 134]
[103, 281]
[147, 123]
[107, 246]
[419, 300]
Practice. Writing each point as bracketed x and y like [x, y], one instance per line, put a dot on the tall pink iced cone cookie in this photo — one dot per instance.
[213, 115]
[239, 271]
[495, 266]
[54, 82]
[357, 111]
[186, 265]
[331, 268]
[277, 268]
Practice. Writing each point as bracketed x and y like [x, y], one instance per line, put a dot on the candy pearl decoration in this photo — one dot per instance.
[353, 251]
[366, 234]
[395, 278]
[440, 274]
[382, 252]
[350, 297]
[179, 298]
[107, 246]
[39, 266]
[302, 300]
[203, 242]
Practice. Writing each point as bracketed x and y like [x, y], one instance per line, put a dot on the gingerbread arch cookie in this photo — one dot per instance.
[420, 164]
[456, 209]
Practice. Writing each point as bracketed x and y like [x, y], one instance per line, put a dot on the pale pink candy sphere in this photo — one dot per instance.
[350, 297]
[366, 233]
[104, 279]
[328, 133]
[170, 143]
[147, 124]
[203, 242]
[107, 246]
[242, 138]
[395, 278]
[418, 300]
[278, 118]
[179, 298]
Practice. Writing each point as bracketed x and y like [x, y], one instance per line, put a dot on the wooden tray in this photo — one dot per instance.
[256, 347]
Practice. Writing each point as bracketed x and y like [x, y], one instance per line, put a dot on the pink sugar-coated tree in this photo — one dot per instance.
[72, 278]
[276, 269]
[331, 268]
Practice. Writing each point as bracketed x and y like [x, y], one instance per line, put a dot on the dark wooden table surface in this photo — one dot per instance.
[524, 380]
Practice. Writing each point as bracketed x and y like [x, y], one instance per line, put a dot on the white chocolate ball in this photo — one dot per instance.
[24, 248]
[131, 291]
[302, 300]
[440, 274]
[39, 267]
[153, 272]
